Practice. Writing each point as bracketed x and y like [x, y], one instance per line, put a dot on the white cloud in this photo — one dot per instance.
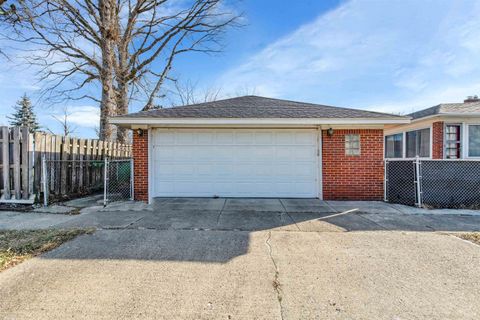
[386, 55]
[83, 116]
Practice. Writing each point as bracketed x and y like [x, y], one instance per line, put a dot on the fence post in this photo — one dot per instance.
[105, 182]
[385, 181]
[44, 181]
[132, 189]
[419, 181]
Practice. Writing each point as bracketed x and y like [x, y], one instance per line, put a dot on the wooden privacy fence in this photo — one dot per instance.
[66, 161]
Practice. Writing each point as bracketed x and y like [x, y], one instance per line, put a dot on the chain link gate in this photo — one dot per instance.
[67, 179]
[118, 180]
[400, 182]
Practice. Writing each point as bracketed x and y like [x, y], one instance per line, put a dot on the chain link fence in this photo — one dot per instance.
[68, 179]
[433, 183]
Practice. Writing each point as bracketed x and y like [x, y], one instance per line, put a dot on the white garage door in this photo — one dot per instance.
[234, 163]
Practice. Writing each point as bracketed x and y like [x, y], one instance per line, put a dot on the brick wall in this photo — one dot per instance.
[344, 177]
[140, 163]
[437, 143]
[353, 177]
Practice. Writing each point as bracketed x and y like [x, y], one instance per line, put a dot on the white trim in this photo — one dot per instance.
[320, 163]
[464, 140]
[150, 167]
[256, 121]
[468, 141]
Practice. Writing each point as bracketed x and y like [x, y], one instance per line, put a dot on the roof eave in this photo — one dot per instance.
[129, 121]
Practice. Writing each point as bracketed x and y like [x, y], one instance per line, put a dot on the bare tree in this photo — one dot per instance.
[187, 92]
[125, 47]
[65, 124]
[246, 91]
[8, 12]
[8, 17]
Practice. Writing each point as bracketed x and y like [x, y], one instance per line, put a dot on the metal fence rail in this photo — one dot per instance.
[433, 183]
[67, 179]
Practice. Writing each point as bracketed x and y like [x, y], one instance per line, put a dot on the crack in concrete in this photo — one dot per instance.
[133, 222]
[370, 220]
[277, 286]
[332, 208]
[288, 214]
[221, 211]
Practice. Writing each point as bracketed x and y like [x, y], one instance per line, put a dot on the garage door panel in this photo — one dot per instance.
[163, 153]
[185, 138]
[226, 137]
[222, 153]
[206, 138]
[262, 137]
[303, 153]
[304, 138]
[166, 138]
[284, 138]
[284, 153]
[244, 137]
[235, 163]
[303, 171]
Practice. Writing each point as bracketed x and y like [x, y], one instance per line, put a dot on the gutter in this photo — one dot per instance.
[123, 121]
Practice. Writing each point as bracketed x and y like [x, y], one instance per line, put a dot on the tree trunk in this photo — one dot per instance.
[108, 103]
[122, 108]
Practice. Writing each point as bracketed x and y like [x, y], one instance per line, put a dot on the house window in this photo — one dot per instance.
[453, 141]
[418, 143]
[394, 146]
[352, 144]
[474, 141]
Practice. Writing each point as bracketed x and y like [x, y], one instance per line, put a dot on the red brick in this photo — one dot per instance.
[437, 144]
[353, 177]
[140, 163]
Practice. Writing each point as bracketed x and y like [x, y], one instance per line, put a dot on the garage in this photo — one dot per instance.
[235, 163]
[258, 147]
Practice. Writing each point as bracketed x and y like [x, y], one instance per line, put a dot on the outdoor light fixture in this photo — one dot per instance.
[140, 132]
[330, 132]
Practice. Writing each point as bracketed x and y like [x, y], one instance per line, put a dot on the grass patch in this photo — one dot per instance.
[471, 236]
[19, 245]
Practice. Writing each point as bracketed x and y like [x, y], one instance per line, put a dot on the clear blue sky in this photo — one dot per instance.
[392, 56]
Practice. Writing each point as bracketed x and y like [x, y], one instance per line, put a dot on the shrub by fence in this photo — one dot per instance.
[433, 183]
[74, 164]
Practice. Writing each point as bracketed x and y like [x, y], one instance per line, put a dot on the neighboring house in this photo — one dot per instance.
[445, 131]
[259, 147]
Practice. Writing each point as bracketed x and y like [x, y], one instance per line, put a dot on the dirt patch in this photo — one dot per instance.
[471, 236]
[19, 245]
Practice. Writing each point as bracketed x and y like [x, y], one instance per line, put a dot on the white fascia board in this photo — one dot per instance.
[264, 121]
[447, 115]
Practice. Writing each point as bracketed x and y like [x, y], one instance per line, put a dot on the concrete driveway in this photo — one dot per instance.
[252, 259]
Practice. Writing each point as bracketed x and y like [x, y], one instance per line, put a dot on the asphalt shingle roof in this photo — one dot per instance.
[446, 108]
[258, 107]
